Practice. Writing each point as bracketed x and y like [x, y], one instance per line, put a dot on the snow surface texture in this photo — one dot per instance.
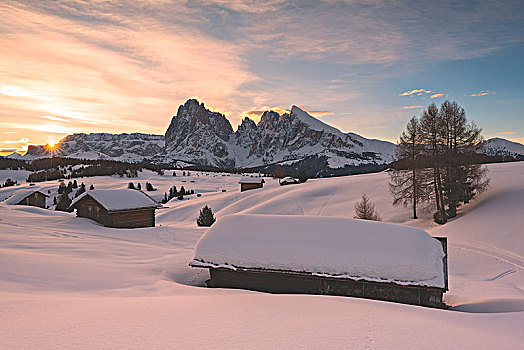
[114, 200]
[67, 282]
[327, 246]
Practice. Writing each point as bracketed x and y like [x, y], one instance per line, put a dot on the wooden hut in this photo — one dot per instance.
[117, 208]
[34, 198]
[325, 255]
[250, 183]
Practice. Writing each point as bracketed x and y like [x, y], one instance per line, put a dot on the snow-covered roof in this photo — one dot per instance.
[324, 246]
[115, 200]
[21, 194]
[251, 180]
[289, 179]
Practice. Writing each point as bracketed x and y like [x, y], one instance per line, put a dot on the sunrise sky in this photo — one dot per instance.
[361, 66]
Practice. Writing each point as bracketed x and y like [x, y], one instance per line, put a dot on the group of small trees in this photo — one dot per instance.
[8, 183]
[178, 194]
[436, 162]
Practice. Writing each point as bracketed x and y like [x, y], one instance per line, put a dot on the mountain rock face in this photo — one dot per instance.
[123, 147]
[199, 136]
[497, 146]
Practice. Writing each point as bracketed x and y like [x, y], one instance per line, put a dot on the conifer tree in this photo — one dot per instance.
[206, 217]
[63, 203]
[365, 209]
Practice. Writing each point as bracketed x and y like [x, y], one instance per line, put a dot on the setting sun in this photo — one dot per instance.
[51, 143]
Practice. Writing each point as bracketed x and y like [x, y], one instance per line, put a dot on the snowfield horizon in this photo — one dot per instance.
[68, 282]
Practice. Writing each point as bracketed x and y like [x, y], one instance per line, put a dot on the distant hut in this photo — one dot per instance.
[288, 180]
[31, 197]
[117, 208]
[325, 255]
[250, 183]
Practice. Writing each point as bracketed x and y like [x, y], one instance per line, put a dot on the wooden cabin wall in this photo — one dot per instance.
[286, 283]
[245, 187]
[133, 218]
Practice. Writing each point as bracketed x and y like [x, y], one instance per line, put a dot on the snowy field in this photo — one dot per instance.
[67, 282]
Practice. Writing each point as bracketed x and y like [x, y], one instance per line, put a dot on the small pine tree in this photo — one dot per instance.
[54, 200]
[139, 187]
[131, 186]
[365, 209]
[180, 197]
[92, 187]
[174, 173]
[63, 203]
[206, 217]
[75, 184]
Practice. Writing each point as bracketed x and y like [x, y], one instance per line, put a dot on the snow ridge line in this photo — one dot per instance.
[491, 253]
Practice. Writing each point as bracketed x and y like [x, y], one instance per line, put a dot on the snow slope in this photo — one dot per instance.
[67, 282]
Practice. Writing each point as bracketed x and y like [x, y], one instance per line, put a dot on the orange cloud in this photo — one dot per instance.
[437, 95]
[507, 133]
[413, 92]
[411, 107]
[482, 93]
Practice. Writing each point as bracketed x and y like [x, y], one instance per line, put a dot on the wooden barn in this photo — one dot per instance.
[325, 255]
[117, 208]
[250, 183]
[31, 197]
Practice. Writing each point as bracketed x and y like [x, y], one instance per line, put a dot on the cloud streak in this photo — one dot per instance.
[482, 93]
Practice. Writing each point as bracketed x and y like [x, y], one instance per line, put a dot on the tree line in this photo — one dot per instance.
[437, 162]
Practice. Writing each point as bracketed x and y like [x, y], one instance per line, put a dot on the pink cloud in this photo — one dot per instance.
[437, 95]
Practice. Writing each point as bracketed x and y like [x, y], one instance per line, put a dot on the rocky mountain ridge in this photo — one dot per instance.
[200, 137]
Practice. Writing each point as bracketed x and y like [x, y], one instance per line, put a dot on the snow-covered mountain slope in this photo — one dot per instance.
[499, 146]
[68, 282]
[124, 147]
[202, 137]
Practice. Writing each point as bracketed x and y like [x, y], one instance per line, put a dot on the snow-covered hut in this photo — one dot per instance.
[288, 180]
[28, 197]
[250, 183]
[324, 255]
[117, 208]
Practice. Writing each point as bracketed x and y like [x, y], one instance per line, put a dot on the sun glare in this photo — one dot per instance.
[51, 143]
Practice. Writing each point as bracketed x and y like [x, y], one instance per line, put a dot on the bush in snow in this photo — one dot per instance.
[206, 217]
[365, 209]
[149, 187]
[131, 186]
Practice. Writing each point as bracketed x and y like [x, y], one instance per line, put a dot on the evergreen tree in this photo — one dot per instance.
[75, 184]
[206, 217]
[92, 187]
[131, 186]
[174, 173]
[63, 202]
[139, 187]
[365, 209]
